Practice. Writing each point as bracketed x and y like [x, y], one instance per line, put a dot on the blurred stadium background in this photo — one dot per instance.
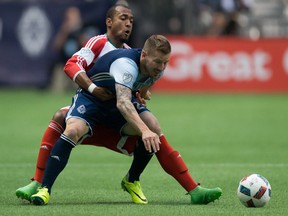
[218, 45]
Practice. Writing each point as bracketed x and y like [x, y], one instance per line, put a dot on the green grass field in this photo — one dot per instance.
[222, 138]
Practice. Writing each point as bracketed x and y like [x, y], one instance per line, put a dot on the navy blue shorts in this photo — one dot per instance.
[95, 112]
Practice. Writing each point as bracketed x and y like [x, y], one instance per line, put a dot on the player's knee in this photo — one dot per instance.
[75, 130]
[155, 127]
[59, 117]
[71, 133]
[151, 121]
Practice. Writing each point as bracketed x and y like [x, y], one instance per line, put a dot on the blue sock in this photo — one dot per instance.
[57, 160]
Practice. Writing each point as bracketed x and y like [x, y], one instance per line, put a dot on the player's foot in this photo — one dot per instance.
[41, 197]
[135, 190]
[27, 191]
[201, 195]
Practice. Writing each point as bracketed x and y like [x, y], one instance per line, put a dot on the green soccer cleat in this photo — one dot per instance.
[41, 197]
[27, 191]
[135, 190]
[202, 195]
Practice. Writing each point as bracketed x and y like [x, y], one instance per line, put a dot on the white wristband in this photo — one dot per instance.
[91, 87]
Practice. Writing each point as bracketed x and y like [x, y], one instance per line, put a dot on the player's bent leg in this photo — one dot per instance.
[51, 135]
[58, 158]
[135, 190]
[27, 191]
[41, 197]
[201, 195]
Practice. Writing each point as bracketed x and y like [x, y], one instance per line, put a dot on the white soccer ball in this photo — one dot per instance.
[254, 191]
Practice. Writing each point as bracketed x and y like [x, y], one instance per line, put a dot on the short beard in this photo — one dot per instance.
[123, 40]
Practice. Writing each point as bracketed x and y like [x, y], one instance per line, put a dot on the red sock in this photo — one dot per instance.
[173, 164]
[51, 135]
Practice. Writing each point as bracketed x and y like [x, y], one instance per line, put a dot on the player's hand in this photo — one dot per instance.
[147, 95]
[142, 98]
[151, 141]
[102, 93]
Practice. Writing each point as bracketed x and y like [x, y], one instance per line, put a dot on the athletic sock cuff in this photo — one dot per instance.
[67, 139]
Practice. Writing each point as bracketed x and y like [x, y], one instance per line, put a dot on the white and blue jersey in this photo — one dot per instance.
[119, 66]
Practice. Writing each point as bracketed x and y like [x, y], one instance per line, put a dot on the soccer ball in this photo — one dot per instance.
[254, 191]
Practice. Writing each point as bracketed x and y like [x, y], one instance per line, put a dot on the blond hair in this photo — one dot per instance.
[157, 43]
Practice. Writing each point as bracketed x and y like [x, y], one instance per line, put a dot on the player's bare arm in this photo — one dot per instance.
[125, 106]
[84, 82]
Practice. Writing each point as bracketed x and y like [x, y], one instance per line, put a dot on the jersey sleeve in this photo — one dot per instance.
[125, 71]
[82, 60]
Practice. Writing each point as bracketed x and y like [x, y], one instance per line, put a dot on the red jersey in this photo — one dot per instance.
[85, 58]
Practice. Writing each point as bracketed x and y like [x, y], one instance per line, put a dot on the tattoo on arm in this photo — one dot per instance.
[127, 109]
[124, 97]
